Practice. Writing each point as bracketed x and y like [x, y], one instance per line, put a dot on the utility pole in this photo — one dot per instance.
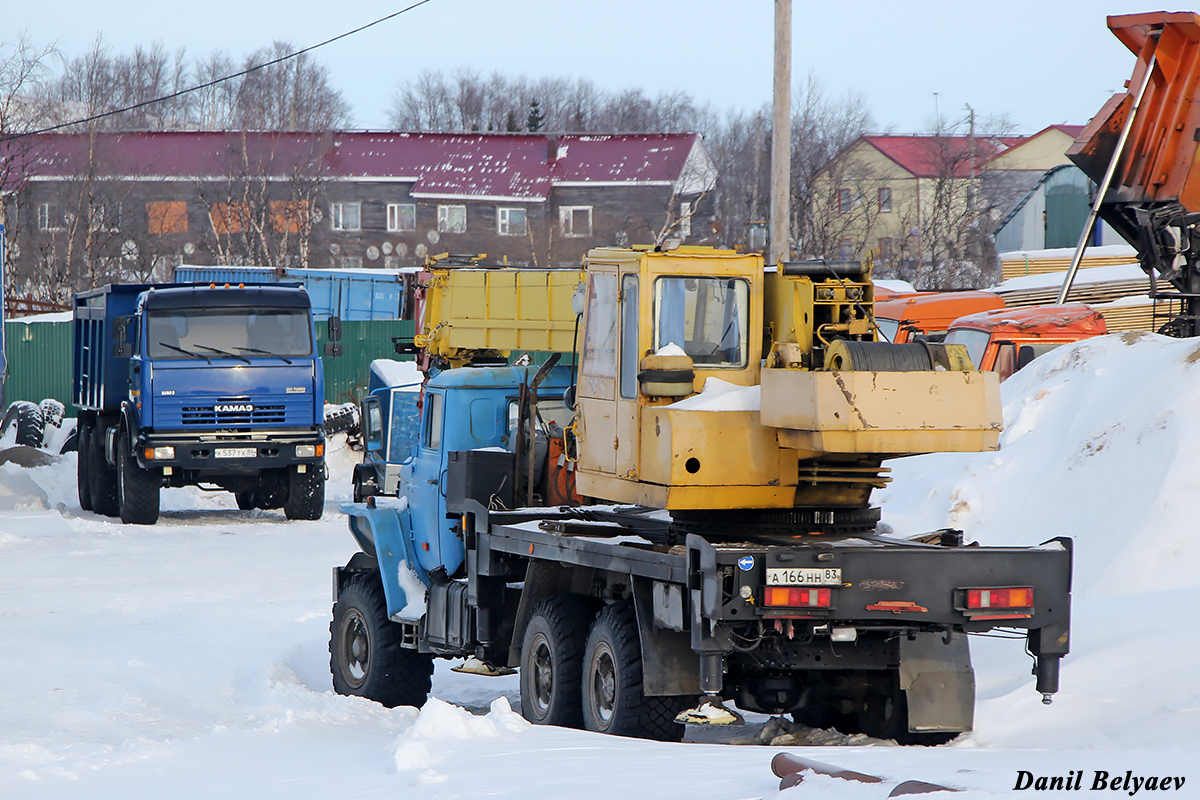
[781, 134]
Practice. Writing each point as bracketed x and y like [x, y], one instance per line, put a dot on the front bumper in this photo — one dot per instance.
[229, 451]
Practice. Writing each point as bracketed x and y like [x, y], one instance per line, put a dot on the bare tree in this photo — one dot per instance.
[292, 95]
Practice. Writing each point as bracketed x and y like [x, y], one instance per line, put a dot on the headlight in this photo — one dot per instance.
[306, 451]
[160, 453]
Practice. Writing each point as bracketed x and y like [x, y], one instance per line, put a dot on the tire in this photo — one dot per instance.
[365, 655]
[272, 492]
[137, 488]
[364, 484]
[27, 418]
[245, 500]
[82, 475]
[613, 701]
[884, 714]
[102, 479]
[306, 494]
[552, 661]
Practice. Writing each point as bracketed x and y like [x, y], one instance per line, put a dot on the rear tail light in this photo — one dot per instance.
[1017, 597]
[796, 597]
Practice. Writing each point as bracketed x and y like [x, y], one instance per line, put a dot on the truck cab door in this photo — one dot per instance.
[422, 482]
[628, 418]
[597, 388]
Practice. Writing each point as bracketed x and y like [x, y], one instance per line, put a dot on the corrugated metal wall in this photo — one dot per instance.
[39, 359]
[39, 362]
[363, 341]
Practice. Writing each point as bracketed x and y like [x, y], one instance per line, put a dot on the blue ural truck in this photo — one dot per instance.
[213, 386]
[682, 519]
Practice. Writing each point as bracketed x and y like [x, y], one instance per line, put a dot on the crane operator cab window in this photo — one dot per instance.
[707, 317]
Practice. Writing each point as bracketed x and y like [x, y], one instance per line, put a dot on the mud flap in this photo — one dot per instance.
[938, 682]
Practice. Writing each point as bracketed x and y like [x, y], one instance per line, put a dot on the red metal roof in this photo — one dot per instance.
[475, 165]
[931, 156]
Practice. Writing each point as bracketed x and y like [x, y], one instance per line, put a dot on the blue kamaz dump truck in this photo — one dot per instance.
[219, 387]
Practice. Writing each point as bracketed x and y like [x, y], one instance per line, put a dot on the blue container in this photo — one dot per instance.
[356, 294]
[222, 275]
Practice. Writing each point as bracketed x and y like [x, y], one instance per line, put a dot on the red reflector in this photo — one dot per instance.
[796, 597]
[1000, 598]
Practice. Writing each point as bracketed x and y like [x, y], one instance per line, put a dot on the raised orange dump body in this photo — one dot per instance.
[1160, 156]
[1155, 190]
[929, 315]
[1004, 340]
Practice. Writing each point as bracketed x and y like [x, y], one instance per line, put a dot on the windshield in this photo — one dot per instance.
[225, 332]
[707, 317]
[887, 328]
[976, 342]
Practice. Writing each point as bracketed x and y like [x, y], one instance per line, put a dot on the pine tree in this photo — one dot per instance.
[533, 123]
[510, 122]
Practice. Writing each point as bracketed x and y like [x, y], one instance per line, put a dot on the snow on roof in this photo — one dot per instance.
[1119, 272]
[474, 165]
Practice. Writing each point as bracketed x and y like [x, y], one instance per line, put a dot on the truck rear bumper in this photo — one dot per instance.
[231, 452]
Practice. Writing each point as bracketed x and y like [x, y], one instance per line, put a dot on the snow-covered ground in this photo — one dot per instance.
[189, 659]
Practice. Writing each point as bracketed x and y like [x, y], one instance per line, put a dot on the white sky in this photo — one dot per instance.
[1040, 62]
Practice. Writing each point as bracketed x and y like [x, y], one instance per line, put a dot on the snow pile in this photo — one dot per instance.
[1099, 445]
[440, 722]
[719, 395]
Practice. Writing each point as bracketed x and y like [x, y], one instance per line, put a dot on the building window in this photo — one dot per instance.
[401, 217]
[228, 217]
[167, 216]
[452, 219]
[885, 200]
[575, 221]
[845, 250]
[843, 201]
[49, 218]
[685, 219]
[288, 216]
[105, 215]
[350, 262]
[346, 216]
[511, 222]
[885, 249]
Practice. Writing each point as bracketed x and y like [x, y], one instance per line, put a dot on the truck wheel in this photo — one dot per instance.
[272, 492]
[101, 477]
[365, 655]
[612, 682]
[27, 418]
[82, 476]
[884, 714]
[137, 488]
[245, 500]
[306, 494]
[364, 484]
[552, 661]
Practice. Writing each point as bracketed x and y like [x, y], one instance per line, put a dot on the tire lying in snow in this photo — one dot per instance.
[30, 427]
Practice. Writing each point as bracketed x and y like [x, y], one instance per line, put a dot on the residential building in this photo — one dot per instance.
[927, 204]
[87, 209]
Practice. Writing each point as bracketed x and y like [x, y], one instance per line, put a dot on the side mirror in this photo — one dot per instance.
[120, 332]
[667, 376]
[334, 329]
[333, 349]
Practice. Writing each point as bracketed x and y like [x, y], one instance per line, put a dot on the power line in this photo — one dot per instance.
[217, 81]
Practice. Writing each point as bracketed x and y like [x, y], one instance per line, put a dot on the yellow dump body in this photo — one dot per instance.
[474, 311]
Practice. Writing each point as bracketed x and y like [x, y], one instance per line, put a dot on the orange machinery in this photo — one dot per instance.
[1142, 148]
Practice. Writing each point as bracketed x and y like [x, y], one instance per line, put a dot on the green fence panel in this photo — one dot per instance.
[39, 362]
[363, 341]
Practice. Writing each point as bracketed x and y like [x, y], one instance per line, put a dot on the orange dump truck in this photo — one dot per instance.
[1004, 340]
[929, 315]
